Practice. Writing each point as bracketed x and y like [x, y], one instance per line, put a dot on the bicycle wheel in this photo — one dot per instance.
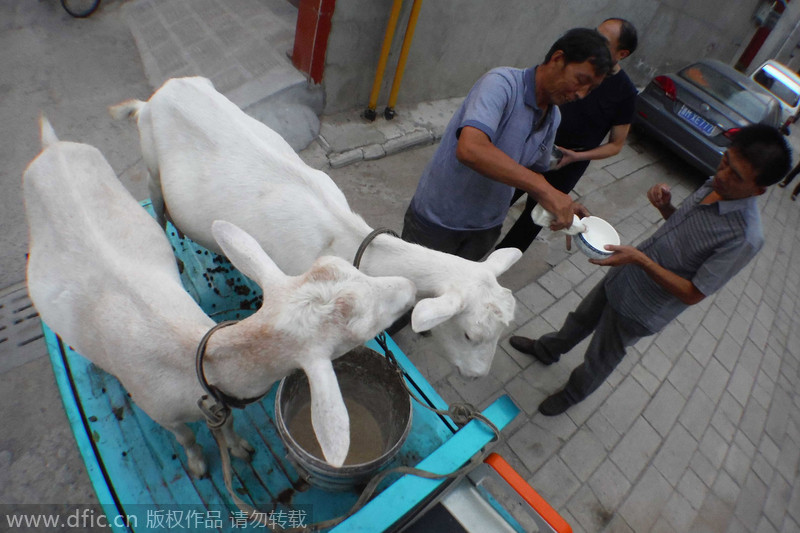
[80, 8]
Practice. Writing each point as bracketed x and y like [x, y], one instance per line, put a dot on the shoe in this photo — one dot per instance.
[794, 197]
[526, 346]
[782, 184]
[556, 404]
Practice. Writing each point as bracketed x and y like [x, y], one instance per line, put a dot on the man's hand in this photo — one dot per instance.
[582, 212]
[570, 156]
[623, 255]
[560, 205]
[660, 195]
[661, 198]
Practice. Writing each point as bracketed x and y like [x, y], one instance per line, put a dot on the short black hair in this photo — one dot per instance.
[766, 149]
[584, 44]
[628, 37]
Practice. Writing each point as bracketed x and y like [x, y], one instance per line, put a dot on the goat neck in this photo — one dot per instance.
[245, 359]
[430, 270]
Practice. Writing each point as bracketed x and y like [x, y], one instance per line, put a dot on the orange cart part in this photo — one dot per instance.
[539, 504]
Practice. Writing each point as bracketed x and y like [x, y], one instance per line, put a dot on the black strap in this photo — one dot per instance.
[212, 390]
[367, 240]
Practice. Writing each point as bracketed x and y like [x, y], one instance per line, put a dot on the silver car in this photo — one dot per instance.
[697, 110]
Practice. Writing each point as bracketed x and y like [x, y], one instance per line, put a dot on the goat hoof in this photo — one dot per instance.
[243, 450]
[242, 453]
[198, 468]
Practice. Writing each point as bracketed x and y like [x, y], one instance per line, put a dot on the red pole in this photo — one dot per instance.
[311, 36]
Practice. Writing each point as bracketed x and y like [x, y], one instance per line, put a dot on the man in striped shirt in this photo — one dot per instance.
[701, 246]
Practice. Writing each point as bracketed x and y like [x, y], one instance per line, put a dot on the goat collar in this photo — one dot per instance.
[212, 390]
[368, 239]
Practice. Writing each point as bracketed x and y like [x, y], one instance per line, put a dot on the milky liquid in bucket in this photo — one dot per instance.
[380, 414]
[366, 439]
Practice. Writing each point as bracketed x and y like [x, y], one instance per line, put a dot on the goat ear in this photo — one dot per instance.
[501, 260]
[246, 254]
[328, 413]
[356, 322]
[48, 134]
[431, 312]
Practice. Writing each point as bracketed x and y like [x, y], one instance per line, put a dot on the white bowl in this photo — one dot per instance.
[598, 233]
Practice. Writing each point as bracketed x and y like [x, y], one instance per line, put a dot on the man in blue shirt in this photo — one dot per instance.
[504, 128]
[702, 245]
[585, 123]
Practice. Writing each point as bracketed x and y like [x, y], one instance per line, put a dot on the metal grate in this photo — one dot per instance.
[21, 338]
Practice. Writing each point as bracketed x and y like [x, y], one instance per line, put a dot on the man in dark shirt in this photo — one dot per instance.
[584, 125]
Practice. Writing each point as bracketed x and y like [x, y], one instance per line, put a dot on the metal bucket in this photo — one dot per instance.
[380, 418]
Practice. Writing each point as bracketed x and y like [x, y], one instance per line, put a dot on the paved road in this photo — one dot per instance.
[70, 70]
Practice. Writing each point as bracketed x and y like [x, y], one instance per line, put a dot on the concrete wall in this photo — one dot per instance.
[456, 42]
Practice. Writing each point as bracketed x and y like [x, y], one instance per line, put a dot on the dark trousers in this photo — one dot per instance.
[522, 233]
[472, 245]
[791, 175]
[613, 333]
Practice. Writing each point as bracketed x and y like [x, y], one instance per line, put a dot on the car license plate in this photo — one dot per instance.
[695, 120]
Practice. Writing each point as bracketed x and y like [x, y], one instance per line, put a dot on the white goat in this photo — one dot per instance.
[102, 274]
[209, 160]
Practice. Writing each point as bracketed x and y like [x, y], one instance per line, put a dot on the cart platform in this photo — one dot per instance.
[139, 471]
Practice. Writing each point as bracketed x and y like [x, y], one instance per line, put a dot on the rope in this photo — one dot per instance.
[459, 412]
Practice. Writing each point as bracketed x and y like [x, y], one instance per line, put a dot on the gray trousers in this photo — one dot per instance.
[613, 333]
[472, 245]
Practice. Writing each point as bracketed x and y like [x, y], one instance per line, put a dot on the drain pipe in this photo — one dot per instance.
[389, 112]
[369, 113]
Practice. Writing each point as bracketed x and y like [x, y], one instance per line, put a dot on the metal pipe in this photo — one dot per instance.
[369, 114]
[389, 113]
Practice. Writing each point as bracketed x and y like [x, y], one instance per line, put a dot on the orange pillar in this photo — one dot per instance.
[369, 113]
[389, 113]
